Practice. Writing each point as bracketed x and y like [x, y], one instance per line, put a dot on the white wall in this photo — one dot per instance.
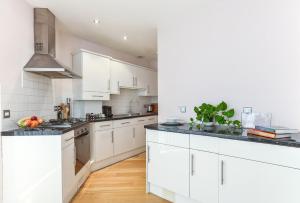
[31, 94]
[246, 53]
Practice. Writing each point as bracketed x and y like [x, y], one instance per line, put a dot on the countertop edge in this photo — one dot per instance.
[252, 139]
[63, 131]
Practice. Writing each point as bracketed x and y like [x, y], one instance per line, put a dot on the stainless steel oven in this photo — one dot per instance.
[82, 146]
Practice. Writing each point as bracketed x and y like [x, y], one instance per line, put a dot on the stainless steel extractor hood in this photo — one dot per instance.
[43, 61]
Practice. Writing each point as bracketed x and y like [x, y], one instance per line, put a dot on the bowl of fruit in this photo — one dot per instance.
[30, 122]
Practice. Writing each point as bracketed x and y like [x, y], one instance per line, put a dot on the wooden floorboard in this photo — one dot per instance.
[123, 182]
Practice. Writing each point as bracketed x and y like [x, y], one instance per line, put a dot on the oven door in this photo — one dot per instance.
[82, 147]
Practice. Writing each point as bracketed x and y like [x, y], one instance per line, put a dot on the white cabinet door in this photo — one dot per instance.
[121, 76]
[68, 170]
[149, 79]
[123, 139]
[96, 73]
[250, 181]
[204, 176]
[168, 167]
[152, 84]
[139, 135]
[103, 145]
[140, 76]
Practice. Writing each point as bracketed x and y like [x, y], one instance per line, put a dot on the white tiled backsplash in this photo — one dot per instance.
[129, 101]
[33, 97]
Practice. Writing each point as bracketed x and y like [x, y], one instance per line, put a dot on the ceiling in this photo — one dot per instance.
[134, 18]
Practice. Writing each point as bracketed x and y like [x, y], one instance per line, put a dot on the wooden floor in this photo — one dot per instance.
[123, 182]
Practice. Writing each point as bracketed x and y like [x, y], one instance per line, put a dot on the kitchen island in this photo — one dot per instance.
[221, 165]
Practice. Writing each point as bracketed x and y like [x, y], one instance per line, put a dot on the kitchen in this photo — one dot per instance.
[74, 132]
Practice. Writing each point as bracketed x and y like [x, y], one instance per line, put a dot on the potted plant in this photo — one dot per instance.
[209, 114]
[206, 114]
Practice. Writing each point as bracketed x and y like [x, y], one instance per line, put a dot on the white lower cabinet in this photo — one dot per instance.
[250, 181]
[204, 180]
[68, 170]
[103, 144]
[123, 139]
[139, 136]
[210, 170]
[168, 167]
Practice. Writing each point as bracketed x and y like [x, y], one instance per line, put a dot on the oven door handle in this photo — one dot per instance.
[81, 135]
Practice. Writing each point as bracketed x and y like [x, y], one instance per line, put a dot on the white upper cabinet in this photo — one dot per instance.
[121, 76]
[149, 82]
[103, 75]
[95, 82]
[140, 76]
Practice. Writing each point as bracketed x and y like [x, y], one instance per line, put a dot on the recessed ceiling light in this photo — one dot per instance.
[125, 37]
[96, 21]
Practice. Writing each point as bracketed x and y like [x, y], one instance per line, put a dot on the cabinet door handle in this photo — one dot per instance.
[192, 165]
[148, 154]
[141, 120]
[108, 86]
[97, 96]
[66, 140]
[133, 81]
[136, 81]
[222, 172]
[102, 126]
[118, 84]
[112, 136]
[125, 123]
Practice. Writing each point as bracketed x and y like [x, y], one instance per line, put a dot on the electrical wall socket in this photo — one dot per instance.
[6, 113]
[182, 109]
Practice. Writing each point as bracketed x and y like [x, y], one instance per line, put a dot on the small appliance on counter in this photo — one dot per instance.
[93, 117]
[152, 108]
[107, 111]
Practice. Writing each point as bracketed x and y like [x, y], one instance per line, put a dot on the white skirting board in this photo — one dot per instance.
[168, 195]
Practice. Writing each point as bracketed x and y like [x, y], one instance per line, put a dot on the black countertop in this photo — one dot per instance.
[123, 117]
[60, 131]
[228, 133]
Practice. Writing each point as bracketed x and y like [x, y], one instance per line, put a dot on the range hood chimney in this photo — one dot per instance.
[43, 61]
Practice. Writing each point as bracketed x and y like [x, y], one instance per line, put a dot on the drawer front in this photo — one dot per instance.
[140, 120]
[267, 153]
[169, 138]
[151, 119]
[204, 143]
[67, 139]
[123, 123]
[100, 126]
[95, 96]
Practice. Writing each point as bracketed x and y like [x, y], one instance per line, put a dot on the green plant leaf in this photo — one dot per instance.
[220, 119]
[222, 106]
[229, 113]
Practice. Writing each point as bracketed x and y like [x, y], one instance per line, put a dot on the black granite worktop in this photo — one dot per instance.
[227, 133]
[42, 131]
[59, 131]
[121, 117]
